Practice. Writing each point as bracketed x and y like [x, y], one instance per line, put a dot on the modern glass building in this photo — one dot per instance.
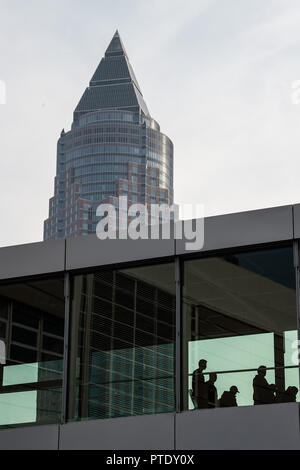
[114, 148]
[103, 339]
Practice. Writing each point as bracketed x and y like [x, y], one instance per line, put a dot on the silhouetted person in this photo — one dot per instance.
[212, 394]
[229, 398]
[199, 388]
[263, 392]
[289, 395]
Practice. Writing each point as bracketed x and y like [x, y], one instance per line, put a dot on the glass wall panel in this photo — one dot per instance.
[32, 330]
[240, 329]
[122, 352]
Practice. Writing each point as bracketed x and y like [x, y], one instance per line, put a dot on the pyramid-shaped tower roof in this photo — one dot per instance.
[113, 84]
[116, 46]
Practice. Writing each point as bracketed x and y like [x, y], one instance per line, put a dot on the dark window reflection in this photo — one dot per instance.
[24, 336]
[122, 354]
[32, 327]
[2, 330]
[240, 329]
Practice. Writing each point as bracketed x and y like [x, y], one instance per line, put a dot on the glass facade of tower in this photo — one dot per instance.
[113, 149]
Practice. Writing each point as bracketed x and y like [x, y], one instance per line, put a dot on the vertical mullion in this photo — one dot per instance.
[66, 348]
[110, 370]
[86, 354]
[135, 383]
[178, 372]
[297, 275]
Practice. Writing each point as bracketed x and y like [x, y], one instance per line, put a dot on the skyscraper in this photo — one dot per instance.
[114, 148]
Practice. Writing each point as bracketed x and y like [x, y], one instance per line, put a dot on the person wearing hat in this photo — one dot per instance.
[199, 388]
[228, 398]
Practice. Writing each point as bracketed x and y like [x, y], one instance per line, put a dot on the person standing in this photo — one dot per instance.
[199, 388]
[212, 394]
[263, 392]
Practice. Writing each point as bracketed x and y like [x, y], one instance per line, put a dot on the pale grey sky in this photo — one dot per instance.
[216, 75]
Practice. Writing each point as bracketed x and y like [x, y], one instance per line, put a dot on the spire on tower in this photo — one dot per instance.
[113, 85]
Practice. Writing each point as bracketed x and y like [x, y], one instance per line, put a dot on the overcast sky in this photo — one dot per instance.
[216, 74]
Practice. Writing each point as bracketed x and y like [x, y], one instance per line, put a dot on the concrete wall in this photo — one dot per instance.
[273, 427]
[265, 427]
[225, 231]
[32, 259]
[30, 438]
[135, 432]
